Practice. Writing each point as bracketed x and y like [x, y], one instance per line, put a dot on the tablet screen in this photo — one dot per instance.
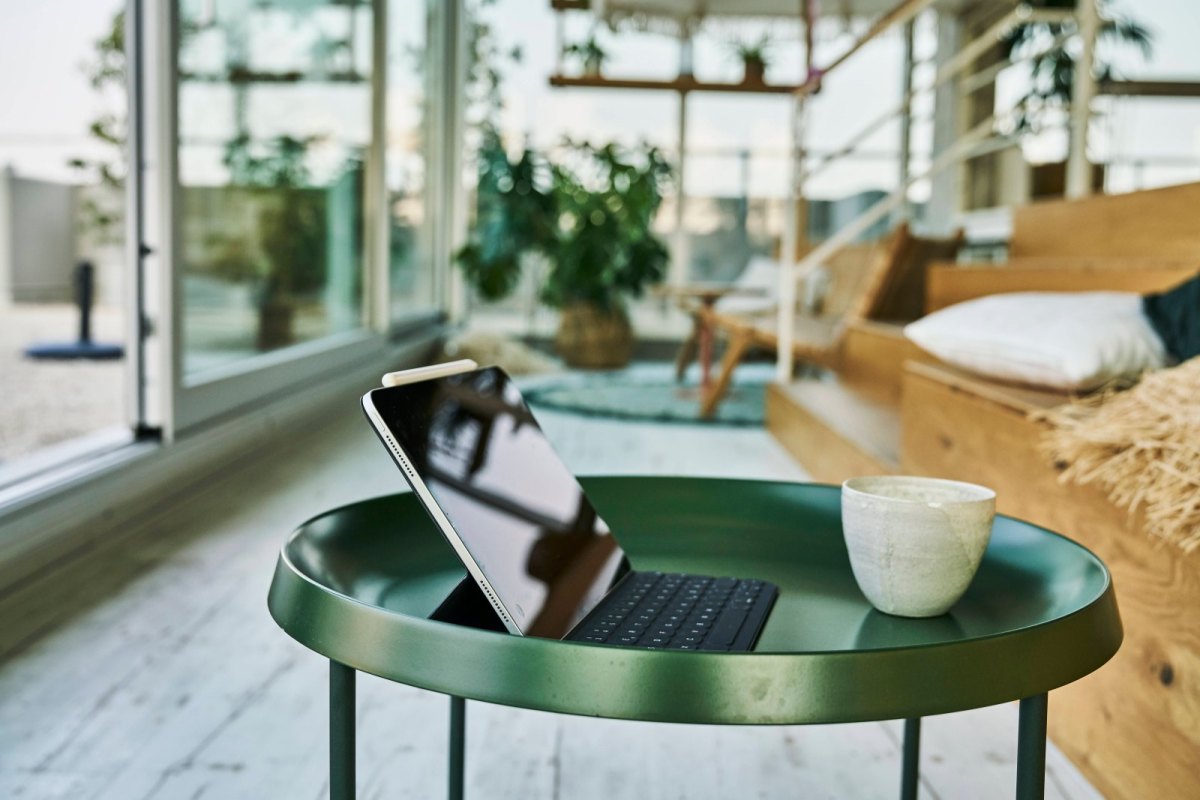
[510, 499]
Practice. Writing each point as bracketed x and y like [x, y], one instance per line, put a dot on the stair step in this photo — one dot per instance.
[836, 430]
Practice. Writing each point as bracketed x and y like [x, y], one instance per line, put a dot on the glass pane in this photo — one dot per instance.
[62, 167]
[411, 64]
[274, 122]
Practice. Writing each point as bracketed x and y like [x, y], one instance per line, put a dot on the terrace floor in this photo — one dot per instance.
[151, 669]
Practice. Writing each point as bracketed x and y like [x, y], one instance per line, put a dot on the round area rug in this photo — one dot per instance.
[648, 394]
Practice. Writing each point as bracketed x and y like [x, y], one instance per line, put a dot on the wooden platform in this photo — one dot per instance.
[1133, 726]
[834, 430]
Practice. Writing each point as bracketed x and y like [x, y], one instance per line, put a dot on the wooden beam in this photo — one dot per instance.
[683, 83]
[1150, 88]
[901, 13]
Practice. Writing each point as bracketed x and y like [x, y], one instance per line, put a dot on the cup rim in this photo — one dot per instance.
[982, 493]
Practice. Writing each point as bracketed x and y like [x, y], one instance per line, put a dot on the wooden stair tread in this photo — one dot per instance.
[835, 429]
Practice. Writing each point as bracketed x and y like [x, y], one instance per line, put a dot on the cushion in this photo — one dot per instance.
[1175, 316]
[761, 277]
[1058, 340]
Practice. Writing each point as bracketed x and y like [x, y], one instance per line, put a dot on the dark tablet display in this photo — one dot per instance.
[510, 499]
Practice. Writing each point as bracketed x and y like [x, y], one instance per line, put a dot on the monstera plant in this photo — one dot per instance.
[590, 217]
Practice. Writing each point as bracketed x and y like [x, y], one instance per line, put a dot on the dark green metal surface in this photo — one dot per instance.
[1031, 748]
[910, 769]
[357, 584]
[341, 732]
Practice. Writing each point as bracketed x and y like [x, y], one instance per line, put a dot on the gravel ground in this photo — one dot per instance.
[45, 402]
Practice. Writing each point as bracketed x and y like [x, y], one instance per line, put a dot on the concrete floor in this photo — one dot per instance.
[150, 669]
[48, 402]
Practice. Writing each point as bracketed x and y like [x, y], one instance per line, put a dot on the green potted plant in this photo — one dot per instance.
[606, 250]
[590, 218]
[590, 54]
[516, 216]
[754, 60]
[292, 231]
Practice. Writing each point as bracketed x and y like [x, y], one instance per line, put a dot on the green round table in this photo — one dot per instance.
[359, 584]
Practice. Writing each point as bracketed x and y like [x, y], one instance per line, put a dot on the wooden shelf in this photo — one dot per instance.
[681, 84]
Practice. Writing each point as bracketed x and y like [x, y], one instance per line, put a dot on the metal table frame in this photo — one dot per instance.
[1031, 744]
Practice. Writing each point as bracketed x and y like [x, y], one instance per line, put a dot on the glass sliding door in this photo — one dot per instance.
[414, 59]
[62, 213]
[274, 123]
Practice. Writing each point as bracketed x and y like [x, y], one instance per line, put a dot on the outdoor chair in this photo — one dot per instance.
[889, 286]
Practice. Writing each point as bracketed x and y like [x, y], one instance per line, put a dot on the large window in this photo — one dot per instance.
[274, 109]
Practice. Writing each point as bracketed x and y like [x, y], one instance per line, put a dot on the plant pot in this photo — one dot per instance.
[276, 324]
[593, 338]
[591, 67]
[755, 72]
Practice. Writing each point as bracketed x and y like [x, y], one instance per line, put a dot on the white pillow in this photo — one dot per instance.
[1060, 340]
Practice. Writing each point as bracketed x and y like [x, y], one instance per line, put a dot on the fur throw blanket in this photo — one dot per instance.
[1141, 446]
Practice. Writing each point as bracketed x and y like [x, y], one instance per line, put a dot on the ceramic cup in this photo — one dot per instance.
[915, 543]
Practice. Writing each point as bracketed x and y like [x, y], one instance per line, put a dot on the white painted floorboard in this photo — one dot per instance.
[150, 670]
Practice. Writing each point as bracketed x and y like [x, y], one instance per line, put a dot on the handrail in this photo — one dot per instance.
[906, 10]
[947, 71]
[966, 146]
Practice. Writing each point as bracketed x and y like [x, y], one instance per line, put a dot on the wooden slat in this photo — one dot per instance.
[1157, 223]
[834, 432]
[950, 284]
[1133, 727]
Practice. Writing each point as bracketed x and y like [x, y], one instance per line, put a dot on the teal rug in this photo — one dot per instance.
[649, 393]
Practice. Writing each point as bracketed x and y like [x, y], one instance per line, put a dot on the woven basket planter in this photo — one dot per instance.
[594, 338]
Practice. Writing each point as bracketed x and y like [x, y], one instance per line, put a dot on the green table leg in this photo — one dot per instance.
[458, 741]
[911, 770]
[1031, 748]
[341, 731]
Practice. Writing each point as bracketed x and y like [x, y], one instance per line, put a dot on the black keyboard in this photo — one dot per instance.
[679, 612]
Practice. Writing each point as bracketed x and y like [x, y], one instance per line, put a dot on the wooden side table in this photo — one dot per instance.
[358, 585]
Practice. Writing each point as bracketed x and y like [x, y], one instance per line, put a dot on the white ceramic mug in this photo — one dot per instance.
[915, 543]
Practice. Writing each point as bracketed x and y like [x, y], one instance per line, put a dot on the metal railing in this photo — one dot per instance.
[978, 140]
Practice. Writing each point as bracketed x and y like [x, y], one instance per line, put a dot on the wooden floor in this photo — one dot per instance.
[151, 669]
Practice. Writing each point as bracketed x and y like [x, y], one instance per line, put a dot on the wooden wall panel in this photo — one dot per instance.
[948, 284]
[1133, 727]
[1157, 223]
